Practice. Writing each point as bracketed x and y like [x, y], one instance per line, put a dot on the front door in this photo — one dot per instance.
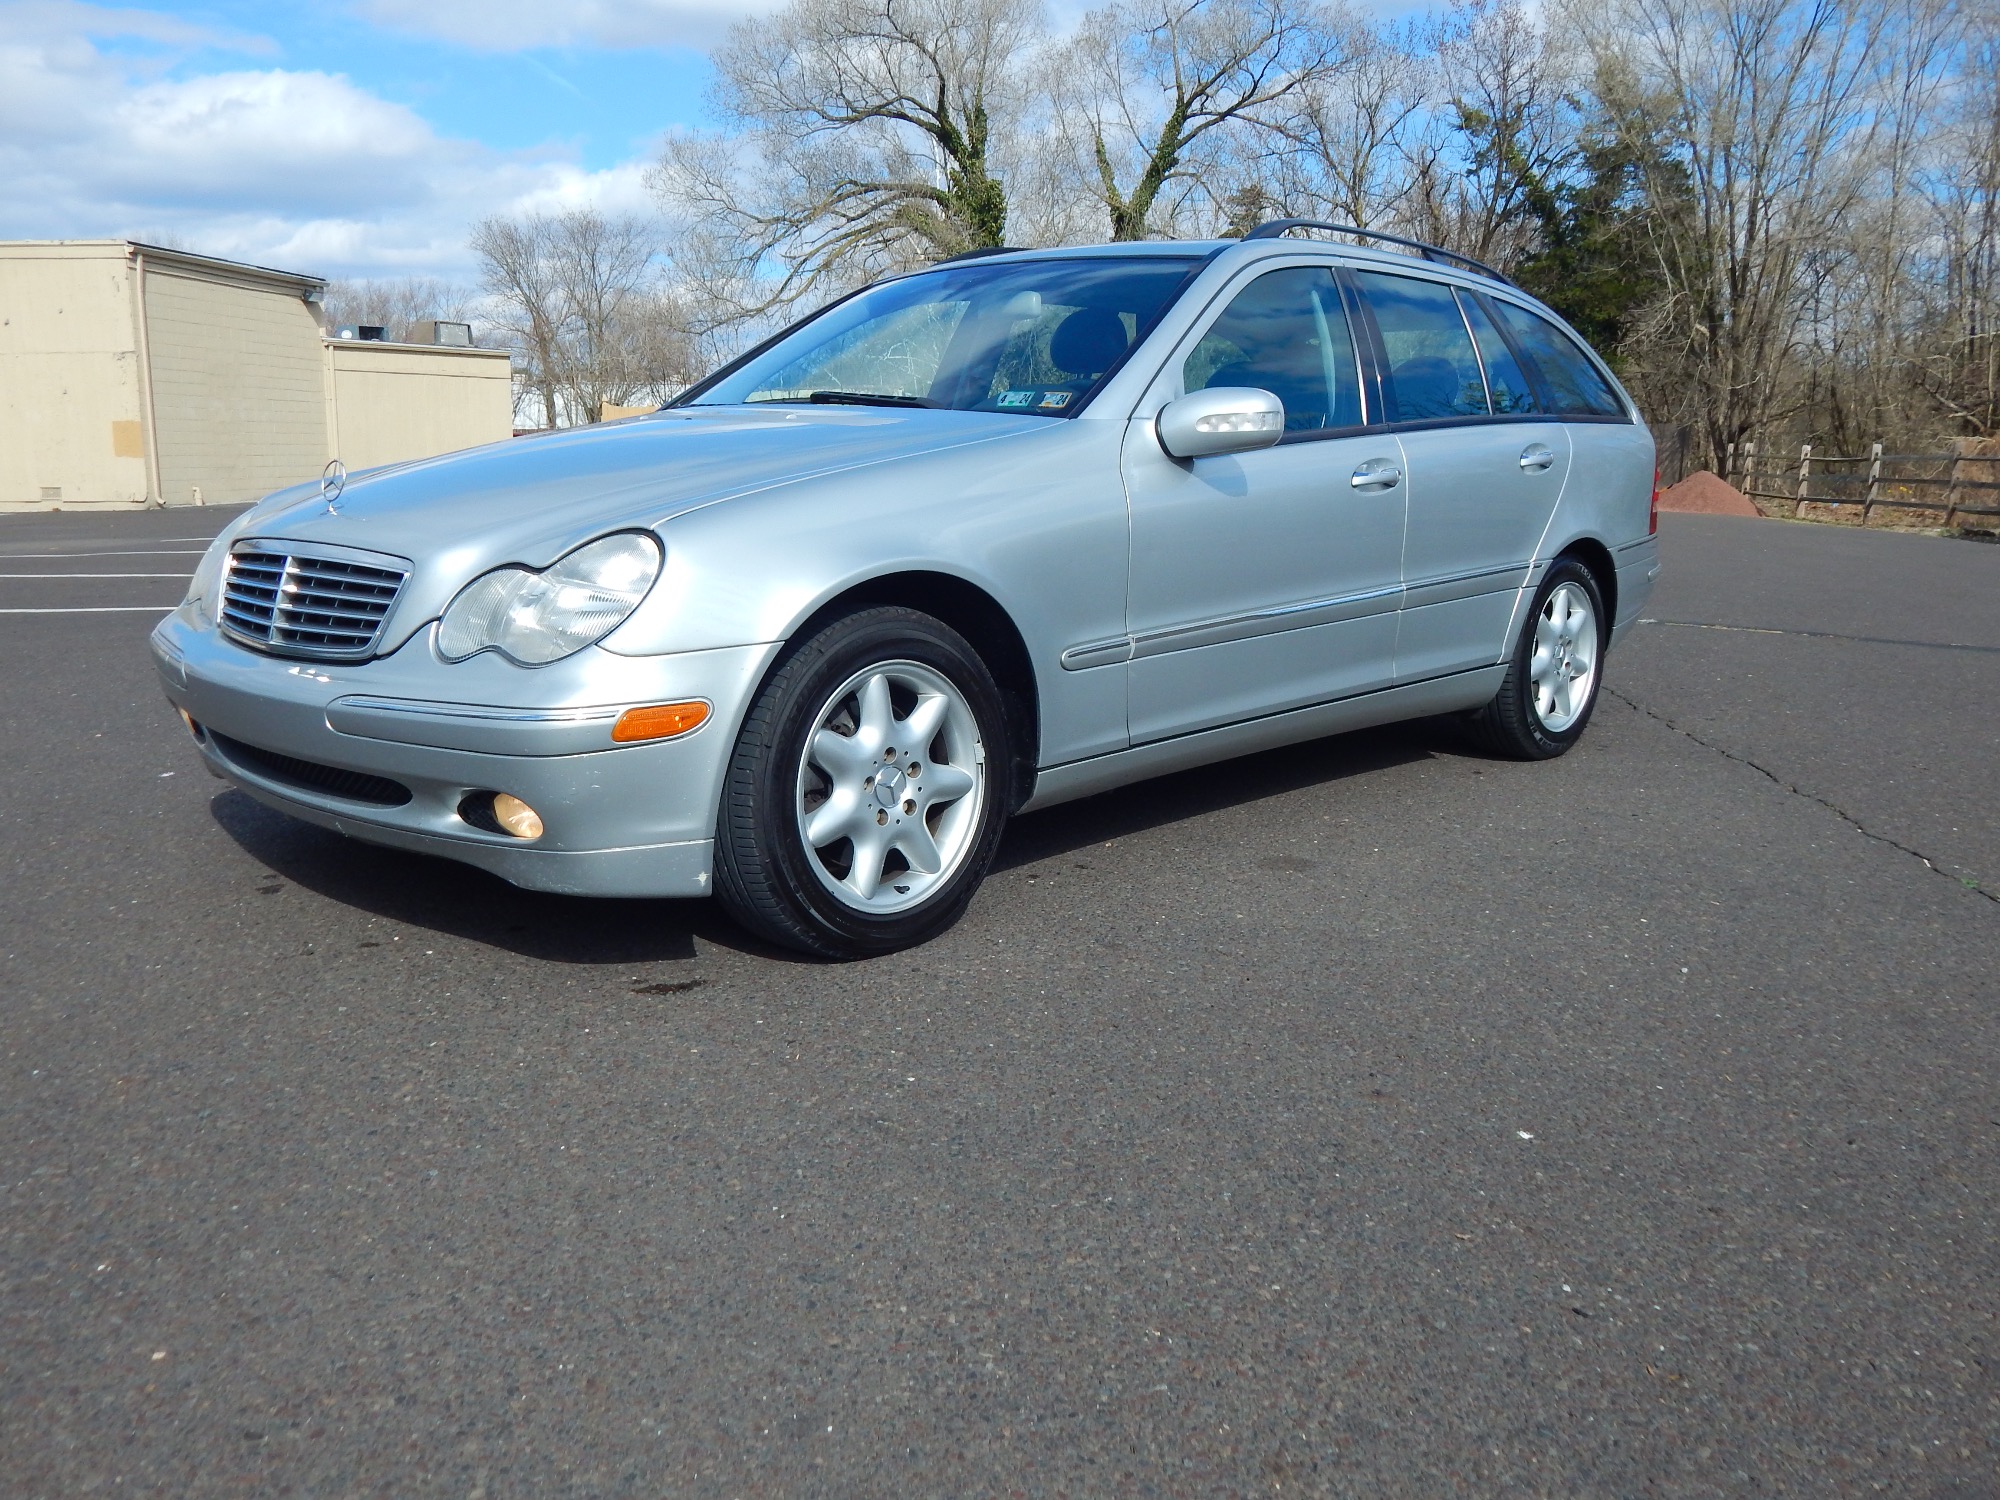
[1270, 580]
[1485, 471]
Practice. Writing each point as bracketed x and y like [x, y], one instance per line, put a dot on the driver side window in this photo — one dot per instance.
[1285, 333]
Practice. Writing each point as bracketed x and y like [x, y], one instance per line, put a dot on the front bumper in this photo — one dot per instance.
[619, 820]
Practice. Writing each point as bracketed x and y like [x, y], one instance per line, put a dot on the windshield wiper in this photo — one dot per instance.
[865, 398]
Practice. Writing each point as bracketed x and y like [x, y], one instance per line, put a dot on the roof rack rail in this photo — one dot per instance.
[980, 254]
[1278, 227]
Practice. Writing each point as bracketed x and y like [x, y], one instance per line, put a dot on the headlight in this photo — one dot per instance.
[535, 618]
[205, 588]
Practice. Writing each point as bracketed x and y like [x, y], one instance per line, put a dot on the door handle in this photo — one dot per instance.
[1536, 457]
[1376, 474]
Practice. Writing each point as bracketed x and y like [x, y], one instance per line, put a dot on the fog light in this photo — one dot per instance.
[660, 721]
[514, 815]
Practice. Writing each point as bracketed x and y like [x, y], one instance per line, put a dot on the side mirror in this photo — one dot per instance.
[1222, 419]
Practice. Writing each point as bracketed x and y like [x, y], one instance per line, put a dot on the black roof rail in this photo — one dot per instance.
[1278, 227]
[980, 254]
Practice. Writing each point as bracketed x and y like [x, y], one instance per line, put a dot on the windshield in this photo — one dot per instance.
[1032, 336]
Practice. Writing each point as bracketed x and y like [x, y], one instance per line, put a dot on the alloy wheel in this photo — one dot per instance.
[891, 787]
[1562, 671]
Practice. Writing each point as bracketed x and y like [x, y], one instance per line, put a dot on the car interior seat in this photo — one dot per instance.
[1427, 386]
[1088, 342]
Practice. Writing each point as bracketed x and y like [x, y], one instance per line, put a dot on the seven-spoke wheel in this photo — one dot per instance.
[1563, 666]
[891, 785]
[1551, 683]
[867, 789]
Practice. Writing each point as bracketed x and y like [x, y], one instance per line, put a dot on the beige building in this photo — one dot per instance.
[131, 375]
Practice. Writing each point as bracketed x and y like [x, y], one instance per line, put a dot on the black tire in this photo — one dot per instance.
[1512, 725]
[766, 875]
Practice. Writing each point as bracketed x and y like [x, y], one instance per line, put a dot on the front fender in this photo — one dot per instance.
[1037, 521]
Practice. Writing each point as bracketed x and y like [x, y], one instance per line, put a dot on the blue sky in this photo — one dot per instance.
[347, 137]
[350, 138]
[477, 72]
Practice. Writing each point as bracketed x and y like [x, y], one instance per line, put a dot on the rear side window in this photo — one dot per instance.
[1576, 389]
[1506, 384]
[1285, 333]
[1432, 371]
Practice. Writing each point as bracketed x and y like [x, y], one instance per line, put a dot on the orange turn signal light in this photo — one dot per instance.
[660, 721]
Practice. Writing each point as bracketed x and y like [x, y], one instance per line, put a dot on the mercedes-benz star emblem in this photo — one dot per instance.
[332, 480]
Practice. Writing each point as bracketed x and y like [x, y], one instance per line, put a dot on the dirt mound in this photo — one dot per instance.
[1708, 495]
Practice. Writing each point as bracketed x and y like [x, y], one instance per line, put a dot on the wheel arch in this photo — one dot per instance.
[987, 627]
[1595, 556]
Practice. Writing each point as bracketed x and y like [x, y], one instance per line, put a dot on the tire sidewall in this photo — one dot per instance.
[1547, 742]
[802, 686]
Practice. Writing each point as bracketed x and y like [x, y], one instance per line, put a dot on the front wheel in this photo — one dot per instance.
[868, 789]
[1552, 676]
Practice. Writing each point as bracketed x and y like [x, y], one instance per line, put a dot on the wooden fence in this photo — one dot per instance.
[1966, 485]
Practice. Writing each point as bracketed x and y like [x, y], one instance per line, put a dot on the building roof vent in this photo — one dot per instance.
[369, 333]
[450, 335]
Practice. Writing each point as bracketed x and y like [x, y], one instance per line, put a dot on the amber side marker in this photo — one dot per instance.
[660, 721]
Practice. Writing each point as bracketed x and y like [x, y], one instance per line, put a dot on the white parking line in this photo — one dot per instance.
[85, 541]
[96, 575]
[158, 552]
[99, 609]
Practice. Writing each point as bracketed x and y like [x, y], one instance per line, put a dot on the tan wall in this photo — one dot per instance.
[246, 394]
[391, 402]
[238, 387]
[70, 415]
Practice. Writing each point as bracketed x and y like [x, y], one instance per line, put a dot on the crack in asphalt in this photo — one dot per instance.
[1962, 881]
[1826, 635]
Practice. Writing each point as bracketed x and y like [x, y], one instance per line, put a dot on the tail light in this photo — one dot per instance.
[1653, 519]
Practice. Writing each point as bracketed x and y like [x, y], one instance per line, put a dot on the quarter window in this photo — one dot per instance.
[1432, 371]
[1285, 333]
[1576, 389]
[1506, 384]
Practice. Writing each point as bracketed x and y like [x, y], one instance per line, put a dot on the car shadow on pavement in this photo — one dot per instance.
[443, 896]
[1191, 794]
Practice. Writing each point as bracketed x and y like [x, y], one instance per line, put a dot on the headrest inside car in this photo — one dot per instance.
[1088, 341]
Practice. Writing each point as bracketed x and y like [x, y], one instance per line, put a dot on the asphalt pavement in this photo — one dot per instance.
[1368, 1119]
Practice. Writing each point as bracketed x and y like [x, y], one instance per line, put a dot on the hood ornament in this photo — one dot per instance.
[332, 480]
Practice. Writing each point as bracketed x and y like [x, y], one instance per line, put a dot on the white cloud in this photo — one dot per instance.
[301, 169]
[516, 25]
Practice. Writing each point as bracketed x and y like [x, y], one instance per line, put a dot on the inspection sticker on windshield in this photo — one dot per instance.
[1017, 398]
[1056, 398]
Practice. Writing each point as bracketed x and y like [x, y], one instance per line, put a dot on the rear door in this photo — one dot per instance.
[1485, 468]
[1611, 456]
[1269, 580]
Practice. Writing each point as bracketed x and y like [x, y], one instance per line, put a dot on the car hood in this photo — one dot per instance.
[531, 499]
[525, 496]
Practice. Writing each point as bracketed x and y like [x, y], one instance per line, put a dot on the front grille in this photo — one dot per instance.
[310, 775]
[293, 605]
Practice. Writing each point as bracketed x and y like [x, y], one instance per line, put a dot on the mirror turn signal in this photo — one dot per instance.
[1220, 419]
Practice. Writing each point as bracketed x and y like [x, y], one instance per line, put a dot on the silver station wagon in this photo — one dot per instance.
[975, 540]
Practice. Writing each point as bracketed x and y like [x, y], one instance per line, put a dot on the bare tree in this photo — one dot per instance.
[1342, 148]
[582, 295]
[1511, 131]
[519, 273]
[1957, 332]
[866, 134]
[1766, 109]
[1147, 89]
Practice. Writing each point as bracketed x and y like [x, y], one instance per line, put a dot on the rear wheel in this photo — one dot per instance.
[868, 789]
[1550, 688]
